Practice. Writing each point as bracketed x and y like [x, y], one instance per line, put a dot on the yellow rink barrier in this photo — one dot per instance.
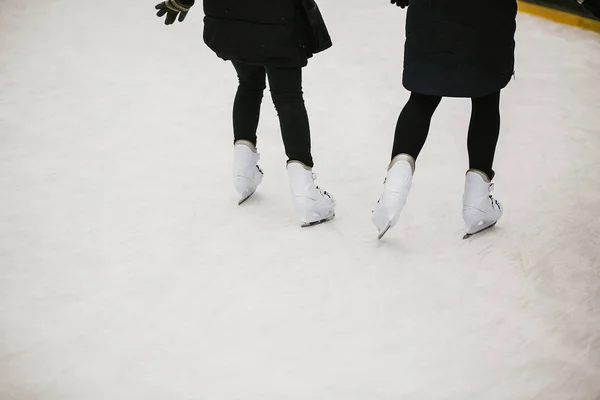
[561, 17]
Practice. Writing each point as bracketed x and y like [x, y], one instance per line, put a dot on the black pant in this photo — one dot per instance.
[414, 121]
[286, 91]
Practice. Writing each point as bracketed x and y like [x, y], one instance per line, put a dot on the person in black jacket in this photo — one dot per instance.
[462, 48]
[266, 39]
[592, 6]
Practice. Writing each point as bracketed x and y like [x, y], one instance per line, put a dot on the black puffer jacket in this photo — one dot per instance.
[263, 32]
[592, 6]
[459, 48]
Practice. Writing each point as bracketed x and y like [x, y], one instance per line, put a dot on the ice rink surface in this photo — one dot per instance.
[127, 271]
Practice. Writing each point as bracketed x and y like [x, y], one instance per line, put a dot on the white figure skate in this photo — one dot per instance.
[397, 185]
[314, 205]
[480, 210]
[247, 175]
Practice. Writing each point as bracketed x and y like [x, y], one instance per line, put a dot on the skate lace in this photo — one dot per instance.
[323, 192]
[492, 199]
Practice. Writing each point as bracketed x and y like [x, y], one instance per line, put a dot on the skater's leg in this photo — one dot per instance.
[286, 91]
[313, 204]
[413, 124]
[411, 132]
[248, 99]
[484, 131]
[480, 209]
[247, 175]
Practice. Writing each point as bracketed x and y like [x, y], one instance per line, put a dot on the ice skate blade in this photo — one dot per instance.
[243, 199]
[384, 231]
[468, 235]
[319, 222]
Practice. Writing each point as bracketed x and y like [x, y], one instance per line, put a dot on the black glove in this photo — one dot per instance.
[400, 3]
[592, 6]
[173, 8]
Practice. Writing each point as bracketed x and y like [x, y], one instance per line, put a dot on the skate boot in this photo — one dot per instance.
[480, 210]
[247, 175]
[314, 205]
[397, 185]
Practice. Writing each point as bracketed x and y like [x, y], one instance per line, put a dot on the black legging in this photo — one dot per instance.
[286, 91]
[414, 121]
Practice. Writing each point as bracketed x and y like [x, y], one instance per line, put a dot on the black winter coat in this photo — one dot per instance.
[593, 7]
[459, 48]
[262, 32]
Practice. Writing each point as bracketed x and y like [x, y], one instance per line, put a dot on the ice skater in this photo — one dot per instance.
[463, 49]
[267, 39]
[592, 6]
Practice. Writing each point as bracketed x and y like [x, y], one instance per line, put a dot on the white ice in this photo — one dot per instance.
[127, 271]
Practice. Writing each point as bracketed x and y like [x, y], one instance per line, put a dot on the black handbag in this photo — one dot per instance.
[318, 33]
